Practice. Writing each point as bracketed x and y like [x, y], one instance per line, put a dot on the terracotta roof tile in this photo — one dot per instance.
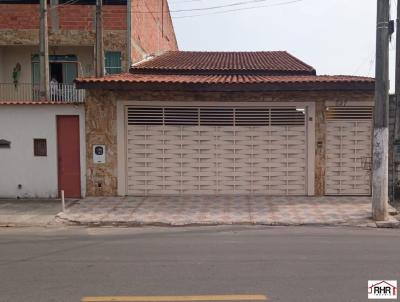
[225, 71]
[222, 79]
[267, 61]
[134, 81]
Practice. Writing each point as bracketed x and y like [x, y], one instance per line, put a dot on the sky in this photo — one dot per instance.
[334, 36]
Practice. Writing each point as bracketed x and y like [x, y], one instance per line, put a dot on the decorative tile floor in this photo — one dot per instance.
[191, 210]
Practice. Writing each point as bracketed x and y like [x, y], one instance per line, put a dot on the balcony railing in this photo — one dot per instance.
[61, 93]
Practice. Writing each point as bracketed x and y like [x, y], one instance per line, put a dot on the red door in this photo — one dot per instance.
[69, 167]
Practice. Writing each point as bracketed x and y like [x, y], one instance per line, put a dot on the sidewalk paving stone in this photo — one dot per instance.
[193, 210]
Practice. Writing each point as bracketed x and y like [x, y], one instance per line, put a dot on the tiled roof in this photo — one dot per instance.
[225, 71]
[309, 82]
[222, 79]
[194, 61]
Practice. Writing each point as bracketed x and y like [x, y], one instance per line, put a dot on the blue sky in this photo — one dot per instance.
[334, 36]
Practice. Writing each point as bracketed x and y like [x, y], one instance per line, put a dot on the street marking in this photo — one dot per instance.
[176, 298]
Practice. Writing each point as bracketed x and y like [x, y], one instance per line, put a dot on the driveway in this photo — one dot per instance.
[215, 210]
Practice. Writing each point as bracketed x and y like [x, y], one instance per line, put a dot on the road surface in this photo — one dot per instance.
[283, 264]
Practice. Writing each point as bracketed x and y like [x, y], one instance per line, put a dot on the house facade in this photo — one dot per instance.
[42, 143]
[207, 123]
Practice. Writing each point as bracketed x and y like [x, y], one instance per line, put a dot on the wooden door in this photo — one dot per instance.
[69, 175]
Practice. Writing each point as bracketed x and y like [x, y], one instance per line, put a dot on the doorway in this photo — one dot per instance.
[56, 72]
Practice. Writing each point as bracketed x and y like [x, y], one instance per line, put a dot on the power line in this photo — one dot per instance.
[238, 9]
[207, 8]
[368, 59]
[186, 1]
[69, 2]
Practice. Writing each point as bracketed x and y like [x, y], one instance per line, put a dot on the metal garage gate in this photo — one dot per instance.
[216, 150]
[348, 150]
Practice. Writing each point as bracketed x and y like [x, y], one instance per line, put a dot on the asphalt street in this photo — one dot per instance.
[284, 264]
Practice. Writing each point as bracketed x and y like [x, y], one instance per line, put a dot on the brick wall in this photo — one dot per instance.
[26, 16]
[14, 16]
[153, 31]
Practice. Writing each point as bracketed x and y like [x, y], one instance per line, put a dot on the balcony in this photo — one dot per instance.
[59, 93]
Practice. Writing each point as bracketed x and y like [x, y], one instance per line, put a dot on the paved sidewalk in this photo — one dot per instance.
[213, 210]
[28, 212]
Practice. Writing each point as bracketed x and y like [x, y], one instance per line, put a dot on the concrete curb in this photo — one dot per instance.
[391, 223]
[62, 217]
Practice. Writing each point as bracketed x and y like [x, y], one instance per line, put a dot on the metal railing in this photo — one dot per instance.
[62, 93]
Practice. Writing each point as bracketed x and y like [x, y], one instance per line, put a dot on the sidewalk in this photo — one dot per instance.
[28, 212]
[216, 210]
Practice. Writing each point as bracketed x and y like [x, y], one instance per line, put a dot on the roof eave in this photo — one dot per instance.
[243, 87]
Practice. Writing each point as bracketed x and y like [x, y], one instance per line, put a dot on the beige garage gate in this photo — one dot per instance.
[348, 150]
[216, 150]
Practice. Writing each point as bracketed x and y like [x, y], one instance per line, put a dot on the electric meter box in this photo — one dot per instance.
[99, 154]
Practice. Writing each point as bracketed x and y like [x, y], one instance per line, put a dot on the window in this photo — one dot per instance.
[39, 147]
[113, 62]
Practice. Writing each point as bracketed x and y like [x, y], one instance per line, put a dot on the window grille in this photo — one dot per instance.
[39, 147]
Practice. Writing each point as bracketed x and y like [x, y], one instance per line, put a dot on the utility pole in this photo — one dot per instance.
[396, 127]
[99, 39]
[381, 115]
[44, 53]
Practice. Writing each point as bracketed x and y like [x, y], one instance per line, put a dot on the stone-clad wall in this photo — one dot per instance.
[320, 142]
[101, 125]
[101, 128]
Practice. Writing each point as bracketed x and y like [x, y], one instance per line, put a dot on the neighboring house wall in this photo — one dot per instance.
[19, 24]
[153, 31]
[11, 55]
[74, 25]
[101, 125]
[38, 176]
[70, 17]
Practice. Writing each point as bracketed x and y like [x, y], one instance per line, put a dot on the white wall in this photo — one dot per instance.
[17, 54]
[38, 176]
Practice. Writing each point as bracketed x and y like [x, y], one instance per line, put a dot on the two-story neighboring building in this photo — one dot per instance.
[42, 144]
[130, 34]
